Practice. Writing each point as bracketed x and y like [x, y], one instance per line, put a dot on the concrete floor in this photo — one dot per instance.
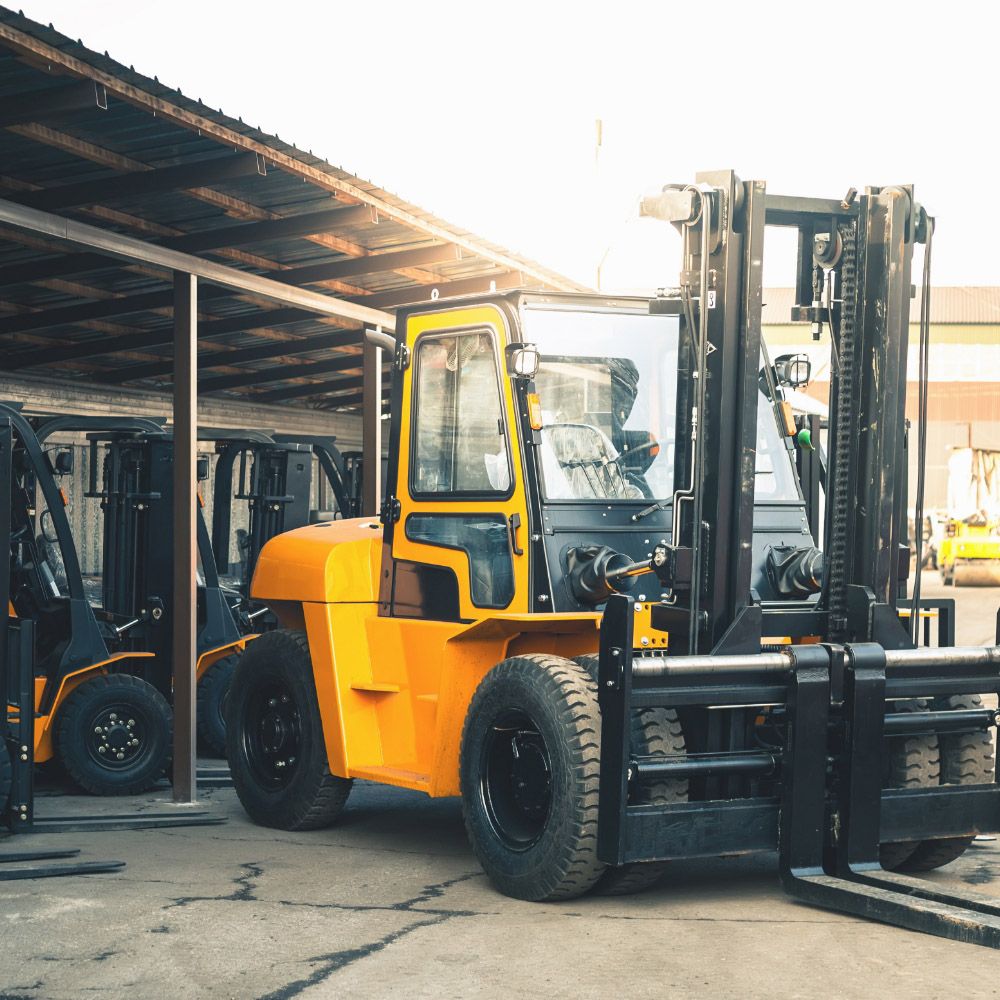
[391, 902]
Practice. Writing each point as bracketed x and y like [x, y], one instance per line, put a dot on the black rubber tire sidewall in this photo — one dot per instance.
[653, 731]
[966, 759]
[910, 762]
[212, 691]
[313, 797]
[73, 729]
[561, 700]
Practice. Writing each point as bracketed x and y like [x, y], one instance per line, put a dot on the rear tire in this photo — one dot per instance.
[654, 731]
[910, 762]
[113, 735]
[274, 737]
[213, 688]
[966, 759]
[529, 768]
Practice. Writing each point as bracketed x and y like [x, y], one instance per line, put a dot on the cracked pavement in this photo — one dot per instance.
[392, 903]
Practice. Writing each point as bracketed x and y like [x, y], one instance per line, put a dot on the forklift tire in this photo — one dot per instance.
[212, 691]
[910, 762]
[966, 759]
[274, 737]
[654, 731]
[529, 771]
[113, 735]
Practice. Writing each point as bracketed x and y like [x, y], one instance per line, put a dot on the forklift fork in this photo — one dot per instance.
[831, 812]
[830, 857]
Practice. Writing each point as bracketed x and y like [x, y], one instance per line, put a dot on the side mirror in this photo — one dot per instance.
[201, 468]
[63, 464]
[792, 370]
[522, 360]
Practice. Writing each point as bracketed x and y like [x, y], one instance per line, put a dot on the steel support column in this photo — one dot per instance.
[371, 431]
[185, 539]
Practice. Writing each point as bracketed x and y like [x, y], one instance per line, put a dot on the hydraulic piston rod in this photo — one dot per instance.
[937, 656]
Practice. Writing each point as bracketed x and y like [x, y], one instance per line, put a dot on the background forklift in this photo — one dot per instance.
[273, 475]
[751, 693]
[93, 708]
[135, 491]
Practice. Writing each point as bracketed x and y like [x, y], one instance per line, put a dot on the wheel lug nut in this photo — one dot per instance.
[98, 730]
[130, 723]
[272, 702]
[284, 699]
[113, 717]
[102, 749]
[121, 756]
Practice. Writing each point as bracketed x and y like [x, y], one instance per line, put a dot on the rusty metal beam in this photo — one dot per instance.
[158, 336]
[224, 358]
[144, 182]
[220, 275]
[318, 388]
[372, 264]
[39, 105]
[281, 373]
[220, 238]
[446, 289]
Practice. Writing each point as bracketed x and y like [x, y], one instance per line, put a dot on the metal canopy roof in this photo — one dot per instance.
[88, 139]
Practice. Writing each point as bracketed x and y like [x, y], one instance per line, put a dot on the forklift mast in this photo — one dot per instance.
[273, 475]
[853, 278]
[137, 500]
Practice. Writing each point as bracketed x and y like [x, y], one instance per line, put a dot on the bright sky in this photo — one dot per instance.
[484, 113]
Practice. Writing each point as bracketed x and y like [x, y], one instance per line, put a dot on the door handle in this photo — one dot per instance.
[513, 523]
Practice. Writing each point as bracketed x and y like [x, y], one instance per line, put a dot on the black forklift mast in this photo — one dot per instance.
[798, 764]
[136, 494]
[853, 278]
[273, 475]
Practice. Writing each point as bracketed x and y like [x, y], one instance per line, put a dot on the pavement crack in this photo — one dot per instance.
[333, 962]
[327, 965]
[243, 893]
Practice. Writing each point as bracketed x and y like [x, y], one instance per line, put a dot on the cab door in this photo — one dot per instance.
[459, 544]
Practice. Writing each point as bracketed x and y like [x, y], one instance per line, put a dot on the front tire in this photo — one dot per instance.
[653, 731]
[274, 737]
[213, 689]
[113, 735]
[530, 762]
[910, 762]
[966, 759]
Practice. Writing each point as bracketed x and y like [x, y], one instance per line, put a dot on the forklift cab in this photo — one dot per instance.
[514, 473]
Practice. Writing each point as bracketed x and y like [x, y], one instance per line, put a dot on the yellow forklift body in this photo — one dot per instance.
[212, 656]
[45, 724]
[393, 691]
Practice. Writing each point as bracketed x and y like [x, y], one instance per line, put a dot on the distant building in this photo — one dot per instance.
[964, 398]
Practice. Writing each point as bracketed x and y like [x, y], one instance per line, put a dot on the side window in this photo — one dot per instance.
[483, 538]
[459, 443]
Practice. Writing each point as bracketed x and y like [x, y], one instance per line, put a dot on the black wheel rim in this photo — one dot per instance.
[516, 780]
[272, 733]
[118, 737]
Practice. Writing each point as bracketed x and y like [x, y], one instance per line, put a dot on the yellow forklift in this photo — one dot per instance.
[593, 606]
[102, 665]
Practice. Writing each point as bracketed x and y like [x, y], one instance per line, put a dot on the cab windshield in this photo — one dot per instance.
[607, 384]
